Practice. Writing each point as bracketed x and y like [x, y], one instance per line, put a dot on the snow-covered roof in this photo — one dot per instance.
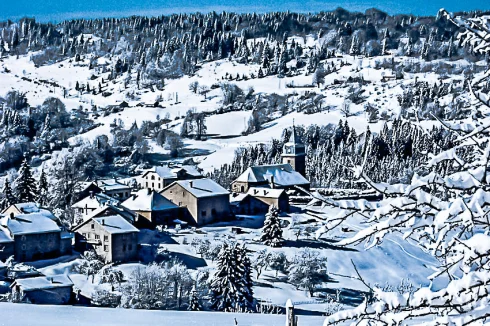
[109, 209]
[95, 201]
[111, 184]
[148, 200]
[283, 174]
[33, 223]
[236, 197]
[27, 208]
[115, 224]
[265, 192]
[200, 188]
[170, 171]
[104, 185]
[43, 282]
[5, 236]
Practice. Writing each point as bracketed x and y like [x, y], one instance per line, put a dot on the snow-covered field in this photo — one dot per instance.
[35, 315]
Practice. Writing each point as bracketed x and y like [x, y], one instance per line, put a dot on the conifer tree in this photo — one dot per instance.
[43, 189]
[231, 286]
[194, 301]
[9, 198]
[25, 184]
[272, 232]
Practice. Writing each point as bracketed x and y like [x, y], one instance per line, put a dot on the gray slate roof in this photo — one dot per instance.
[284, 175]
[201, 188]
[95, 201]
[148, 200]
[170, 172]
[115, 224]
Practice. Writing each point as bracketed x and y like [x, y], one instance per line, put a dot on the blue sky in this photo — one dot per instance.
[50, 10]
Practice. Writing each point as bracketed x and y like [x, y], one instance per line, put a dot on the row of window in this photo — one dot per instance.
[50, 237]
[96, 236]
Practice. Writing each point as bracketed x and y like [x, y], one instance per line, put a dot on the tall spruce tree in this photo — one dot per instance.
[231, 286]
[194, 301]
[42, 197]
[272, 232]
[25, 184]
[9, 198]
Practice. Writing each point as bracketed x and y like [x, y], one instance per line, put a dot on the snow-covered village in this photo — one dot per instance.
[246, 168]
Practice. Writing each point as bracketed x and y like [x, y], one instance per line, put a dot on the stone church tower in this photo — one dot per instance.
[294, 153]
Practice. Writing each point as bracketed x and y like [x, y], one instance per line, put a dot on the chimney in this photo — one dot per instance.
[191, 184]
[51, 280]
[134, 196]
[12, 215]
[103, 222]
[272, 181]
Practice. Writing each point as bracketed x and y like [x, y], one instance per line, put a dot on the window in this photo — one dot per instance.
[146, 184]
[97, 237]
[153, 185]
[106, 248]
[180, 203]
[106, 238]
[124, 247]
[92, 226]
[203, 213]
[183, 193]
[152, 177]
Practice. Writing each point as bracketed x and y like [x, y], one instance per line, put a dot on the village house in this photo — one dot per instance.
[204, 200]
[55, 289]
[160, 177]
[152, 208]
[259, 200]
[34, 234]
[91, 203]
[113, 238]
[244, 204]
[110, 187]
[271, 197]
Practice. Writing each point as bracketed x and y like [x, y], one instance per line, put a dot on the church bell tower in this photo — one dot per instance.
[294, 154]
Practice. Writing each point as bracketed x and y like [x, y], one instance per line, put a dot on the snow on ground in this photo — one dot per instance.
[36, 315]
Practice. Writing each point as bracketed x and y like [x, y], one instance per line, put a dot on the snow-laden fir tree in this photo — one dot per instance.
[9, 198]
[272, 232]
[231, 288]
[42, 197]
[194, 304]
[26, 189]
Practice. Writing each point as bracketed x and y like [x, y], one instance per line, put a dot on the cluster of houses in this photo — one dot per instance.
[109, 213]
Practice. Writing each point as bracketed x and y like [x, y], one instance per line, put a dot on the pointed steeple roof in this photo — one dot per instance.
[294, 146]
